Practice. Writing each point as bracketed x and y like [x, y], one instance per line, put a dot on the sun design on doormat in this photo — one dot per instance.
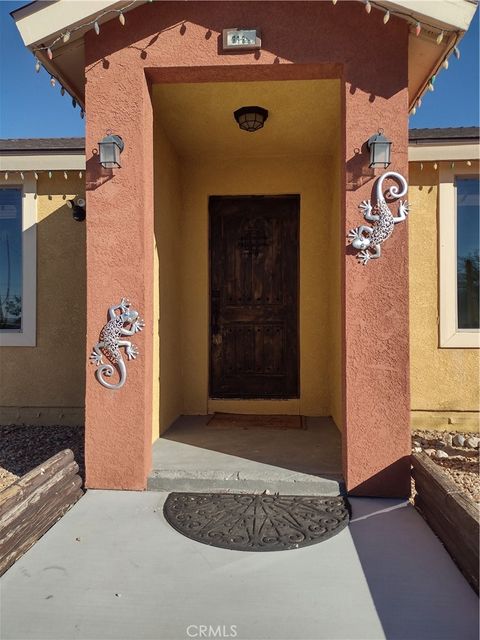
[256, 522]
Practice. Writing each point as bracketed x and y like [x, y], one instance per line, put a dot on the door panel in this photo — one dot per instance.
[254, 297]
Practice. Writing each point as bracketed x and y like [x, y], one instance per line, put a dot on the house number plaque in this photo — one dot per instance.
[241, 39]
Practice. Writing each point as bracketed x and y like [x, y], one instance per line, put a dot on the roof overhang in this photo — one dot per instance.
[41, 23]
[438, 150]
[42, 160]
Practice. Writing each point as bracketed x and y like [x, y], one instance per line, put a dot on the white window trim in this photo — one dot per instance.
[27, 336]
[450, 335]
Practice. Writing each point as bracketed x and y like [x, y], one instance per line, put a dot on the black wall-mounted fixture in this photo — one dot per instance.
[110, 149]
[380, 150]
[250, 118]
[78, 209]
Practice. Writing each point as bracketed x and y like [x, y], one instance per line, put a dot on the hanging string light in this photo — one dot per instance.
[386, 17]
[421, 166]
[65, 175]
[38, 66]
[456, 51]
[439, 37]
[49, 174]
[413, 111]
[80, 175]
[35, 175]
[435, 166]
[334, 2]
[74, 103]
[418, 29]
[52, 81]
[66, 37]
[62, 91]
[368, 6]
[469, 163]
[6, 175]
[445, 64]
[96, 26]
[82, 114]
[49, 53]
[121, 17]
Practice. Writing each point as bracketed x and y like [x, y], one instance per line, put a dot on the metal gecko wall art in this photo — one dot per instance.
[368, 240]
[110, 343]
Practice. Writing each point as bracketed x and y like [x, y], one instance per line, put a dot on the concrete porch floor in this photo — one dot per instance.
[191, 456]
[113, 568]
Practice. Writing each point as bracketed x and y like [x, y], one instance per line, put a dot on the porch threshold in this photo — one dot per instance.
[192, 457]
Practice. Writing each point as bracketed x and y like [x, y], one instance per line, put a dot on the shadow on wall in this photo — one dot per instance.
[408, 582]
[151, 27]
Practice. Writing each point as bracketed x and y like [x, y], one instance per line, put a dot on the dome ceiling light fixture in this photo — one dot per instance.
[250, 118]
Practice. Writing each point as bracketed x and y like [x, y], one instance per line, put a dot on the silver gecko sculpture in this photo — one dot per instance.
[364, 237]
[110, 343]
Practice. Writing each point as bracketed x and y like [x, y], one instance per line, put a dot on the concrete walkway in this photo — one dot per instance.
[113, 568]
[191, 456]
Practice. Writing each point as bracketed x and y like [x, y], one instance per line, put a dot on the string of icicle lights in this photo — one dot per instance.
[36, 174]
[94, 24]
[453, 164]
[418, 28]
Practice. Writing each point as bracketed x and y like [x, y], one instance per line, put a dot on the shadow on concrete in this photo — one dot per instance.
[445, 608]
[315, 450]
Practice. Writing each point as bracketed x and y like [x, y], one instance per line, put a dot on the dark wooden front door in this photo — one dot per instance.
[254, 297]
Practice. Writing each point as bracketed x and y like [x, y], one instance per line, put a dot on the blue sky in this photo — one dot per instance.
[30, 107]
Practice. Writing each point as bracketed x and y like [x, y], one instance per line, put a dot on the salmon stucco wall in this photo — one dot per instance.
[179, 42]
[45, 384]
[444, 381]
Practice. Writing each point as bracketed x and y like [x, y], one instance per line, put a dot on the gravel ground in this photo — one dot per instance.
[22, 448]
[462, 462]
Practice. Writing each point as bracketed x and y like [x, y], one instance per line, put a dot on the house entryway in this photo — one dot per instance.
[191, 456]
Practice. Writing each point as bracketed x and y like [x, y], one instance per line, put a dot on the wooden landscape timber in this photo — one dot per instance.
[30, 506]
[450, 513]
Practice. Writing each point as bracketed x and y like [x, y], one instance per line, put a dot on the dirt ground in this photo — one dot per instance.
[24, 447]
[461, 465]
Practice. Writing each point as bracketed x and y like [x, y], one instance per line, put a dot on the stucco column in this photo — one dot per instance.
[119, 263]
[376, 442]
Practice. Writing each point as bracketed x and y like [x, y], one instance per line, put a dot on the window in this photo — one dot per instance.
[459, 221]
[468, 218]
[11, 288]
[18, 264]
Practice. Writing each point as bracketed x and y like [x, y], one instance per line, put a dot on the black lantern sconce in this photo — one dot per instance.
[250, 118]
[110, 149]
[380, 150]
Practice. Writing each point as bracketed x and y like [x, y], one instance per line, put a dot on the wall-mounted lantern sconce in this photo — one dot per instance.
[380, 150]
[110, 149]
[250, 118]
[78, 209]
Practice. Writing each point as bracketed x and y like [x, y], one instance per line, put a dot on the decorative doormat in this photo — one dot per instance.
[252, 522]
[244, 421]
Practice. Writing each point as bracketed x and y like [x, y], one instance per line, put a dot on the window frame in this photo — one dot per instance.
[27, 336]
[450, 335]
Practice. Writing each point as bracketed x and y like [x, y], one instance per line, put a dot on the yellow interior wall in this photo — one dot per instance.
[52, 374]
[167, 396]
[441, 379]
[311, 178]
[335, 293]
